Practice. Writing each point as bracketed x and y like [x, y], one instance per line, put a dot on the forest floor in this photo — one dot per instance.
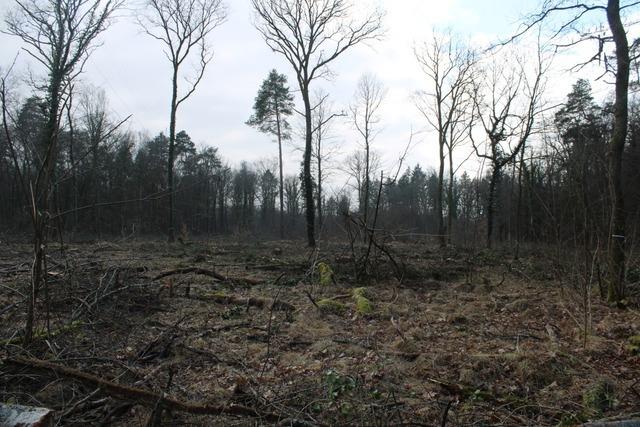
[464, 338]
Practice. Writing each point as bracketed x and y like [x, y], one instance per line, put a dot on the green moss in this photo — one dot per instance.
[331, 306]
[326, 274]
[216, 295]
[634, 345]
[360, 292]
[363, 305]
[600, 397]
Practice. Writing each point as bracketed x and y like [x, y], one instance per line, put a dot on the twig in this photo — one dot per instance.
[313, 301]
[9, 288]
[269, 326]
[445, 414]
[79, 403]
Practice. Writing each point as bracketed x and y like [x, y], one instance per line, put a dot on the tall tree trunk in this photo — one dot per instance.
[41, 197]
[367, 172]
[307, 179]
[450, 202]
[281, 172]
[72, 160]
[519, 204]
[491, 201]
[171, 155]
[96, 195]
[221, 206]
[439, 197]
[616, 285]
[319, 201]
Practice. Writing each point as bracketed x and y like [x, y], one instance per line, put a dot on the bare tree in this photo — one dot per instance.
[365, 117]
[60, 35]
[576, 19]
[447, 106]
[355, 167]
[507, 102]
[94, 117]
[323, 148]
[311, 34]
[183, 26]
[292, 193]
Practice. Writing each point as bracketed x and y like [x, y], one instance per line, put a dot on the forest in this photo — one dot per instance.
[150, 279]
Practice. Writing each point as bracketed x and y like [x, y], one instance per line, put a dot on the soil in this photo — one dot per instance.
[461, 338]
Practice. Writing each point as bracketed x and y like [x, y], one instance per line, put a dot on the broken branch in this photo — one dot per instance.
[143, 397]
[204, 272]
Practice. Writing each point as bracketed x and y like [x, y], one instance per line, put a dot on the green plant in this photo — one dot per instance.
[600, 397]
[363, 306]
[326, 274]
[360, 292]
[634, 345]
[338, 384]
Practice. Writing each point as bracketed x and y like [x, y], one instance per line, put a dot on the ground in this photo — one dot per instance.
[460, 337]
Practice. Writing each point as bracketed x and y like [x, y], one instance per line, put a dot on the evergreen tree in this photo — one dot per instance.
[272, 107]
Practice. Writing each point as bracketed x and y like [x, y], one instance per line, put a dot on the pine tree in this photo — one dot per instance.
[272, 107]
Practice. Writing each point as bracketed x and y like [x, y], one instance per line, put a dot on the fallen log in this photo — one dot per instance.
[205, 272]
[140, 396]
[250, 301]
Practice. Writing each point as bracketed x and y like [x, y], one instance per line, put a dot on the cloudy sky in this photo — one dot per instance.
[135, 75]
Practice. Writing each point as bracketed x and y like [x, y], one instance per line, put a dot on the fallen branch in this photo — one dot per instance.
[211, 355]
[400, 354]
[204, 272]
[7, 308]
[42, 333]
[143, 397]
[250, 301]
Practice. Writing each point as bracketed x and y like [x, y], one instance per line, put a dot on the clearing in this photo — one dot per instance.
[247, 333]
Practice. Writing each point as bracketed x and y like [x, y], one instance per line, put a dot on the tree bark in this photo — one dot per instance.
[367, 171]
[450, 202]
[519, 204]
[40, 199]
[439, 196]
[616, 285]
[171, 154]
[319, 155]
[491, 201]
[281, 173]
[308, 181]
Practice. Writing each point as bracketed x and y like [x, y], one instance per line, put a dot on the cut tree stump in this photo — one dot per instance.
[24, 416]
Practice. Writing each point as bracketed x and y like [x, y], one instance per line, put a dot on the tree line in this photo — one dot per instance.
[114, 183]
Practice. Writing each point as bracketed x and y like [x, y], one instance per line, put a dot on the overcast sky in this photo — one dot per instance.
[135, 74]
